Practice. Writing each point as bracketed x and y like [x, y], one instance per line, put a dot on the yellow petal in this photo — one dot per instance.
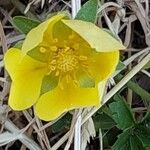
[52, 104]
[42, 32]
[27, 75]
[96, 37]
[103, 65]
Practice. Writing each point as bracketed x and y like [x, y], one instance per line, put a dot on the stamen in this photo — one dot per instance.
[42, 49]
[76, 83]
[57, 73]
[52, 68]
[67, 48]
[68, 78]
[53, 61]
[61, 85]
[82, 57]
[53, 48]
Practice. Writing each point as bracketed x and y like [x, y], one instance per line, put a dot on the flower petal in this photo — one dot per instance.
[96, 37]
[42, 31]
[103, 65]
[52, 104]
[26, 75]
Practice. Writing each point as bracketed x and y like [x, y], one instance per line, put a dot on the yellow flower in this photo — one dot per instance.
[59, 67]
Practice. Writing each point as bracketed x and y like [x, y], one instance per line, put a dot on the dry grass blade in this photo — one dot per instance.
[121, 17]
[3, 38]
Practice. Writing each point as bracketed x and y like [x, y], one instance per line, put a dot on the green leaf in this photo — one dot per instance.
[24, 24]
[103, 121]
[147, 66]
[122, 142]
[49, 83]
[63, 122]
[143, 133]
[18, 45]
[120, 66]
[36, 54]
[135, 143]
[121, 113]
[88, 12]
[85, 80]
[136, 88]
[146, 118]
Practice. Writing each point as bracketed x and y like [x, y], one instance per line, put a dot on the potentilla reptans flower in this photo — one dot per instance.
[62, 65]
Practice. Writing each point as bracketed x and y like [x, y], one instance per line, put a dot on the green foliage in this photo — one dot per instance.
[120, 66]
[24, 24]
[88, 12]
[147, 66]
[36, 54]
[103, 121]
[136, 88]
[122, 142]
[49, 82]
[121, 113]
[135, 143]
[62, 123]
[128, 141]
[18, 45]
[135, 136]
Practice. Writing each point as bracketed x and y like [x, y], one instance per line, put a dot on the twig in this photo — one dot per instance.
[76, 5]
[23, 138]
[3, 38]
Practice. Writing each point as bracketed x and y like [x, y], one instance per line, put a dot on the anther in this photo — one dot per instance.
[42, 49]
[53, 61]
[68, 78]
[52, 68]
[76, 83]
[67, 48]
[57, 73]
[53, 48]
[81, 57]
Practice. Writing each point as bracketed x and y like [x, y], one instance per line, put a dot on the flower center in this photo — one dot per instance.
[63, 60]
[67, 60]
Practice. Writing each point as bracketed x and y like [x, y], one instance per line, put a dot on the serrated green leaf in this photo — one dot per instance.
[121, 113]
[122, 142]
[49, 83]
[103, 121]
[135, 143]
[143, 133]
[63, 122]
[88, 12]
[24, 24]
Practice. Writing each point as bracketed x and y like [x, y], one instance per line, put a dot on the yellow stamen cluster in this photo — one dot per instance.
[64, 61]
